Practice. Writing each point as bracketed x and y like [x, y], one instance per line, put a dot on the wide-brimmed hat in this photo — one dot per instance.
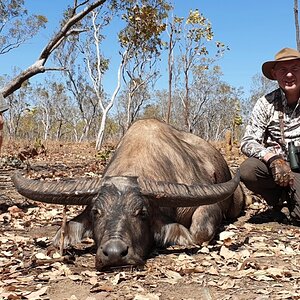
[3, 104]
[283, 55]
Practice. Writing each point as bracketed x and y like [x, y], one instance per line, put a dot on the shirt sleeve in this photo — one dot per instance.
[252, 143]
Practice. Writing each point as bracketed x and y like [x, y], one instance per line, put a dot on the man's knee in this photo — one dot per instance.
[256, 177]
[248, 169]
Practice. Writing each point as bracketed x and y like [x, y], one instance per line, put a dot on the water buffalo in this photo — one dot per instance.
[162, 186]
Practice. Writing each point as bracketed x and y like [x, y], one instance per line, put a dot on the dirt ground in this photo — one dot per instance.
[256, 256]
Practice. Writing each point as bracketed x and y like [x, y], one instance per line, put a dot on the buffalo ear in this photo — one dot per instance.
[182, 195]
[71, 192]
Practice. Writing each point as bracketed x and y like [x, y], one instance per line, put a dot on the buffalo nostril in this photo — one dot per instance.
[124, 253]
[115, 250]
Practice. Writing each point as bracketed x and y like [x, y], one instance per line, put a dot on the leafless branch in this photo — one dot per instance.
[39, 65]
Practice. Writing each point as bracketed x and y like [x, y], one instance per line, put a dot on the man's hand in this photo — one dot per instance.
[281, 171]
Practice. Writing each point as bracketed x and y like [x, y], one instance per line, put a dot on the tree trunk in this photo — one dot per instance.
[105, 111]
[100, 136]
[187, 102]
[170, 71]
[296, 15]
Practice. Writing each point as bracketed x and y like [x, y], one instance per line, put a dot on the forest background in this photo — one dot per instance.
[108, 63]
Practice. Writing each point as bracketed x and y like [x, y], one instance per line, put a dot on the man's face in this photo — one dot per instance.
[287, 74]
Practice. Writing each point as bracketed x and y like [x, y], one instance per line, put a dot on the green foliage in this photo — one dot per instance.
[238, 120]
[111, 128]
[193, 35]
[144, 25]
[103, 155]
[38, 144]
[152, 111]
[16, 26]
[199, 28]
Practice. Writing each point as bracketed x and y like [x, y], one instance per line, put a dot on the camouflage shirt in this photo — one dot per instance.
[263, 133]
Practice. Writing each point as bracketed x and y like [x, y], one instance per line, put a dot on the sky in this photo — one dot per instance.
[254, 30]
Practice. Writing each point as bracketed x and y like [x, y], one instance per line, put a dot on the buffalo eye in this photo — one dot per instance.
[97, 212]
[142, 213]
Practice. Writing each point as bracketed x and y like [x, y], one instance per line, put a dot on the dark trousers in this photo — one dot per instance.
[257, 178]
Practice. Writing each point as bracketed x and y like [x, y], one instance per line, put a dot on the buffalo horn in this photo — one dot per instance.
[182, 195]
[72, 192]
